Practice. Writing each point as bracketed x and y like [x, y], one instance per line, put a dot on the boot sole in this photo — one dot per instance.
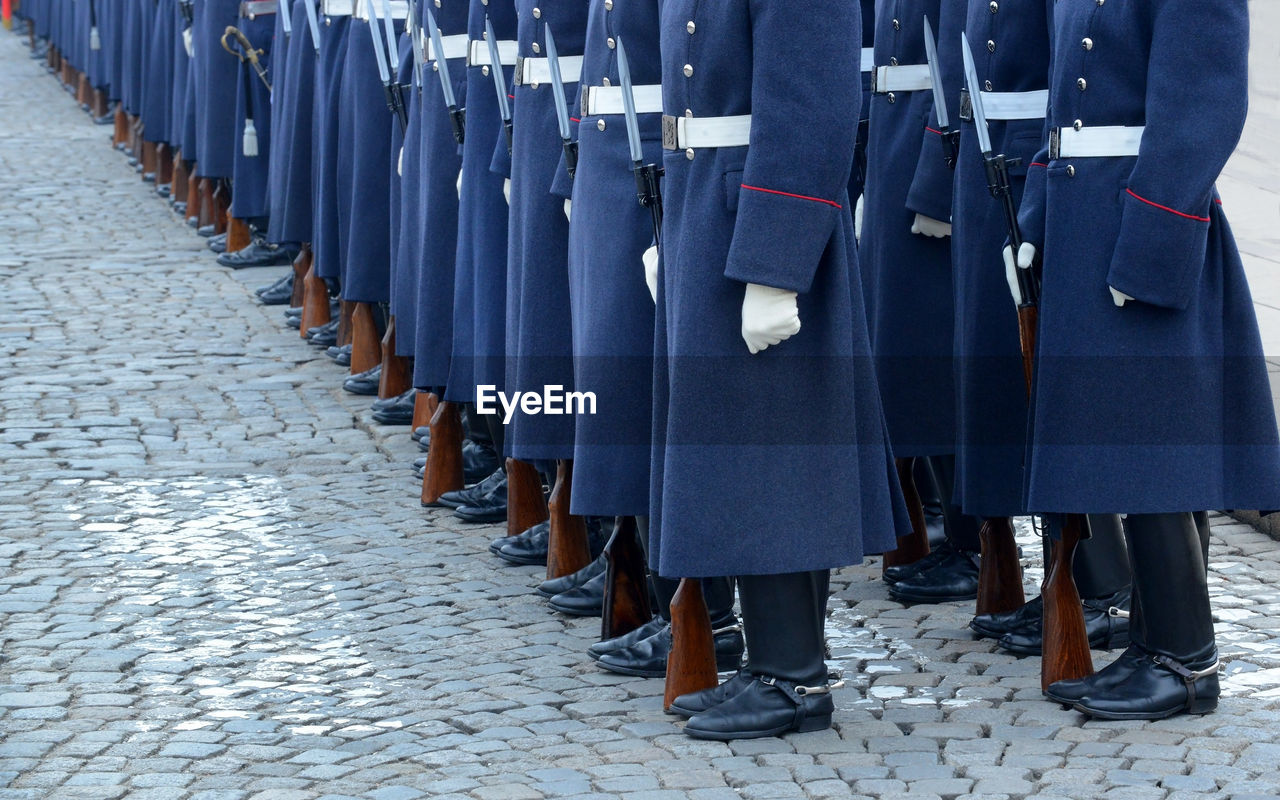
[903, 597]
[522, 561]
[1199, 708]
[807, 725]
[721, 666]
[578, 612]
[1116, 642]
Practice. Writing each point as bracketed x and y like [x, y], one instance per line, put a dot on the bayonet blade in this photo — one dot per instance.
[935, 76]
[415, 41]
[313, 24]
[378, 52]
[975, 98]
[442, 63]
[495, 69]
[629, 106]
[557, 86]
[286, 22]
[393, 42]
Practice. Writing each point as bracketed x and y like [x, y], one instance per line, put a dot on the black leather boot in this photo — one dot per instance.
[1178, 670]
[627, 639]
[472, 494]
[586, 600]
[526, 549]
[783, 617]
[489, 507]
[567, 583]
[686, 705]
[993, 626]
[901, 572]
[953, 578]
[648, 657]
[363, 383]
[1106, 621]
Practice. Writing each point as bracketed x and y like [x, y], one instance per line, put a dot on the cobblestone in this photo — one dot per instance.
[216, 582]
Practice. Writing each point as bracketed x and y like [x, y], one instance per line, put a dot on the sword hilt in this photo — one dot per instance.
[951, 146]
[509, 130]
[570, 157]
[649, 193]
[458, 119]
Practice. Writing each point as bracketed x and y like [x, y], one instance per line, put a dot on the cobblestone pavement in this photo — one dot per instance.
[216, 581]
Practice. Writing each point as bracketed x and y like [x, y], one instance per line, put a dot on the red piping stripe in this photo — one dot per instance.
[1218, 200]
[1038, 164]
[574, 119]
[1166, 208]
[931, 130]
[789, 194]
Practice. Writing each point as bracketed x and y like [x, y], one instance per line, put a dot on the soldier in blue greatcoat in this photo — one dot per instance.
[335, 29]
[1151, 394]
[291, 167]
[764, 395]
[215, 89]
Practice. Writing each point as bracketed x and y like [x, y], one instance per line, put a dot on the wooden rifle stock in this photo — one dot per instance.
[691, 666]
[193, 194]
[366, 345]
[221, 205]
[1066, 643]
[568, 548]
[301, 266]
[205, 205]
[180, 189]
[84, 92]
[345, 308]
[526, 505]
[396, 377]
[1000, 574]
[99, 104]
[238, 236]
[444, 458]
[150, 159]
[914, 547]
[626, 595]
[121, 127]
[1028, 322]
[424, 407]
[315, 300]
[164, 166]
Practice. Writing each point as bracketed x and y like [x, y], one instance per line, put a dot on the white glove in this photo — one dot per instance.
[459, 184]
[769, 316]
[650, 261]
[506, 189]
[928, 226]
[857, 217]
[1026, 257]
[1118, 297]
[568, 209]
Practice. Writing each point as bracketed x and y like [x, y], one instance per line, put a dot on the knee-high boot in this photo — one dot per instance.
[1179, 668]
[783, 617]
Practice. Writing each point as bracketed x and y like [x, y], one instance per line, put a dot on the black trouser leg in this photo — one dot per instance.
[1170, 583]
[783, 619]
[1101, 566]
[663, 588]
[962, 529]
[1202, 530]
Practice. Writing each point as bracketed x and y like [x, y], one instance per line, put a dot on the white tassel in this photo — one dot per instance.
[250, 139]
[95, 41]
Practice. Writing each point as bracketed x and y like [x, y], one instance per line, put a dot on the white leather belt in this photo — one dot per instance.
[478, 55]
[533, 71]
[337, 8]
[868, 59]
[256, 8]
[600, 100]
[455, 46]
[1113, 141]
[697, 133]
[1015, 105]
[399, 9]
[909, 78]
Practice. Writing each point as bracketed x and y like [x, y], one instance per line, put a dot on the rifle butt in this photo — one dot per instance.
[1000, 574]
[397, 373]
[179, 190]
[205, 217]
[345, 309]
[221, 198]
[149, 160]
[444, 458]
[1028, 320]
[1066, 644]
[424, 407]
[915, 546]
[568, 549]
[526, 505]
[315, 301]
[691, 666]
[84, 92]
[193, 211]
[366, 345]
[121, 127]
[301, 266]
[238, 236]
[626, 597]
[101, 107]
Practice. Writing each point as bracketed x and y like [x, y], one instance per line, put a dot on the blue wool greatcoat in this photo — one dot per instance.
[133, 45]
[157, 87]
[858, 176]
[95, 61]
[281, 43]
[250, 173]
[109, 12]
[539, 337]
[326, 235]
[612, 309]
[1162, 405]
[906, 276]
[480, 276]
[406, 224]
[180, 63]
[991, 397]
[364, 175]
[429, 254]
[747, 446]
[215, 89]
[291, 168]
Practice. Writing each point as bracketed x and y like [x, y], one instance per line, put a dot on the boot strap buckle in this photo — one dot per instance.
[734, 628]
[1189, 676]
[1117, 612]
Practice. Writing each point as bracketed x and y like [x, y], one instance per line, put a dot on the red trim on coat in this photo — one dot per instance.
[1137, 196]
[796, 196]
[1037, 164]
[574, 119]
[931, 130]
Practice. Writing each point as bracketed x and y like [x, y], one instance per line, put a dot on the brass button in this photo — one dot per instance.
[605, 82]
[897, 25]
[1071, 171]
[600, 124]
[537, 13]
[986, 85]
[438, 3]
[1083, 84]
[689, 154]
[991, 46]
[688, 70]
[536, 48]
[1077, 124]
[994, 6]
[891, 97]
[608, 5]
[328, 21]
[1086, 43]
[690, 27]
[1100, 2]
[893, 62]
[612, 44]
[484, 70]
[688, 112]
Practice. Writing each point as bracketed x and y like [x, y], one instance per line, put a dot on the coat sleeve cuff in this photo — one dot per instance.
[1160, 252]
[930, 192]
[760, 254]
[1032, 209]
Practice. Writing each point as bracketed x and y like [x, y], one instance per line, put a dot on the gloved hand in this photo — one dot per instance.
[459, 184]
[1118, 297]
[568, 209]
[1026, 257]
[857, 217]
[769, 316]
[928, 226]
[506, 189]
[650, 261]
